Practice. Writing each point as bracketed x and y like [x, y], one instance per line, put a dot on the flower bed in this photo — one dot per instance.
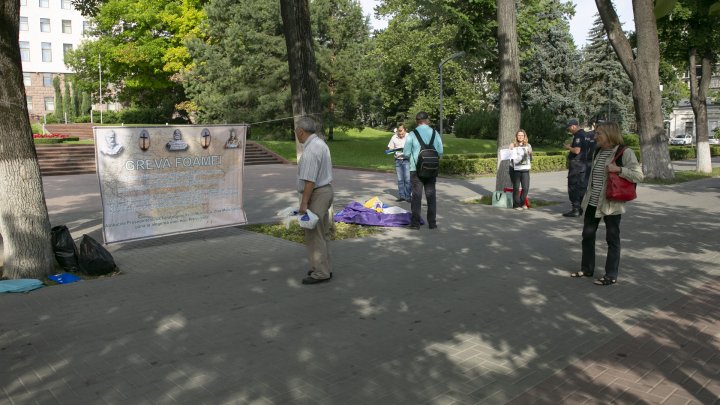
[53, 138]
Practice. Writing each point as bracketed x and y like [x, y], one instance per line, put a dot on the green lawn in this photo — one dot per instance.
[365, 149]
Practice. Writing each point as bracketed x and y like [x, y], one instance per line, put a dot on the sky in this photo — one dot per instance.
[579, 26]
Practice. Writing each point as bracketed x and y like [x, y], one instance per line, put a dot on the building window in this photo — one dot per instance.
[86, 27]
[44, 25]
[67, 27]
[66, 4]
[23, 2]
[29, 103]
[25, 51]
[49, 103]
[26, 79]
[47, 79]
[66, 49]
[44, 3]
[46, 51]
[24, 26]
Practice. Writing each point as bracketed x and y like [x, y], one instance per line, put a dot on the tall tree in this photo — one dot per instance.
[75, 98]
[509, 59]
[59, 104]
[690, 38]
[141, 48]
[301, 61]
[407, 55]
[24, 221]
[606, 90]
[642, 69]
[342, 34]
[239, 71]
[550, 71]
[67, 100]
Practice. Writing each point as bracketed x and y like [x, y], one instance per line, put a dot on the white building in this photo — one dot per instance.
[48, 29]
[682, 120]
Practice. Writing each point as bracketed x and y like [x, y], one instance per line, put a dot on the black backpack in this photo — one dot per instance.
[428, 161]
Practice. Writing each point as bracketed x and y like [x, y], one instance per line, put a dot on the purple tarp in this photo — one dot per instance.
[356, 213]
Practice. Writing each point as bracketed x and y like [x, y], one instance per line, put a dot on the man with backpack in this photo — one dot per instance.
[424, 149]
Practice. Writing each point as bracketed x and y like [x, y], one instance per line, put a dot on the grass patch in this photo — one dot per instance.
[682, 176]
[365, 149]
[296, 234]
[487, 200]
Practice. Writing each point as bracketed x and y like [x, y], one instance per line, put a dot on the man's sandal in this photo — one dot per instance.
[580, 274]
[604, 281]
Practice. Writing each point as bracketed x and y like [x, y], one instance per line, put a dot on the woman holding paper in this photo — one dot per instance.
[520, 169]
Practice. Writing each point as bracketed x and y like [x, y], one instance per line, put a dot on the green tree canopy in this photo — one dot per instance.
[551, 68]
[141, 48]
[606, 89]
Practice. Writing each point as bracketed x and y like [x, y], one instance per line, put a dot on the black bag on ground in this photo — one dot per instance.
[428, 161]
[95, 260]
[64, 247]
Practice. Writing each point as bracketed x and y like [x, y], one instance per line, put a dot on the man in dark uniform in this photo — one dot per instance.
[580, 155]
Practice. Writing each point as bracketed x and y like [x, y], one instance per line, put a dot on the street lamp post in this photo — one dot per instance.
[100, 88]
[451, 57]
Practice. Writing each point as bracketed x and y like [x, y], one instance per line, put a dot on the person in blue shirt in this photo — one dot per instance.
[412, 150]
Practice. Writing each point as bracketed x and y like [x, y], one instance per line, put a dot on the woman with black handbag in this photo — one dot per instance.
[611, 157]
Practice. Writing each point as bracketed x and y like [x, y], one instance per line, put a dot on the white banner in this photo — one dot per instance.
[163, 180]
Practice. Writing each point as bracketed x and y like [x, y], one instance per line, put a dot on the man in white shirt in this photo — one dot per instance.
[316, 194]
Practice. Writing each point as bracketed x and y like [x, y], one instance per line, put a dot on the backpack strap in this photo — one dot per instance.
[423, 145]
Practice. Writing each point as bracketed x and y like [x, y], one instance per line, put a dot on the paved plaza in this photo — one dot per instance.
[479, 311]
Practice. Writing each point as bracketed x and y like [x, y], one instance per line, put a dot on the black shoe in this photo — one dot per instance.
[433, 226]
[310, 280]
[415, 227]
[575, 212]
[400, 199]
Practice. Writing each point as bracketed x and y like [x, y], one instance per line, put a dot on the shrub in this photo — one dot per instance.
[39, 141]
[680, 153]
[477, 125]
[631, 140]
[541, 127]
[143, 116]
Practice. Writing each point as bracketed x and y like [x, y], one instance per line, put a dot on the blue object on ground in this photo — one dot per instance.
[20, 285]
[64, 278]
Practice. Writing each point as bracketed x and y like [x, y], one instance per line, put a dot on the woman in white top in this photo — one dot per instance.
[402, 163]
[520, 169]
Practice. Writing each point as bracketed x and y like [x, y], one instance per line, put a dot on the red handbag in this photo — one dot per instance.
[618, 188]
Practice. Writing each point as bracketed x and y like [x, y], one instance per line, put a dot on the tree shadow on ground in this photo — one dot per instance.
[478, 311]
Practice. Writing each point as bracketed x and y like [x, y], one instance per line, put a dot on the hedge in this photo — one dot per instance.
[457, 166]
[486, 163]
[48, 141]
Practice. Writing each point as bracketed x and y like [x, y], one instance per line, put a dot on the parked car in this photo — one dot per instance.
[683, 139]
[714, 141]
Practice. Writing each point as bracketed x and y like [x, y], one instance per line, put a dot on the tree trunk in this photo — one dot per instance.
[698, 101]
[24, 222]
[643, 71]
[301, 61]
[510, 108]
